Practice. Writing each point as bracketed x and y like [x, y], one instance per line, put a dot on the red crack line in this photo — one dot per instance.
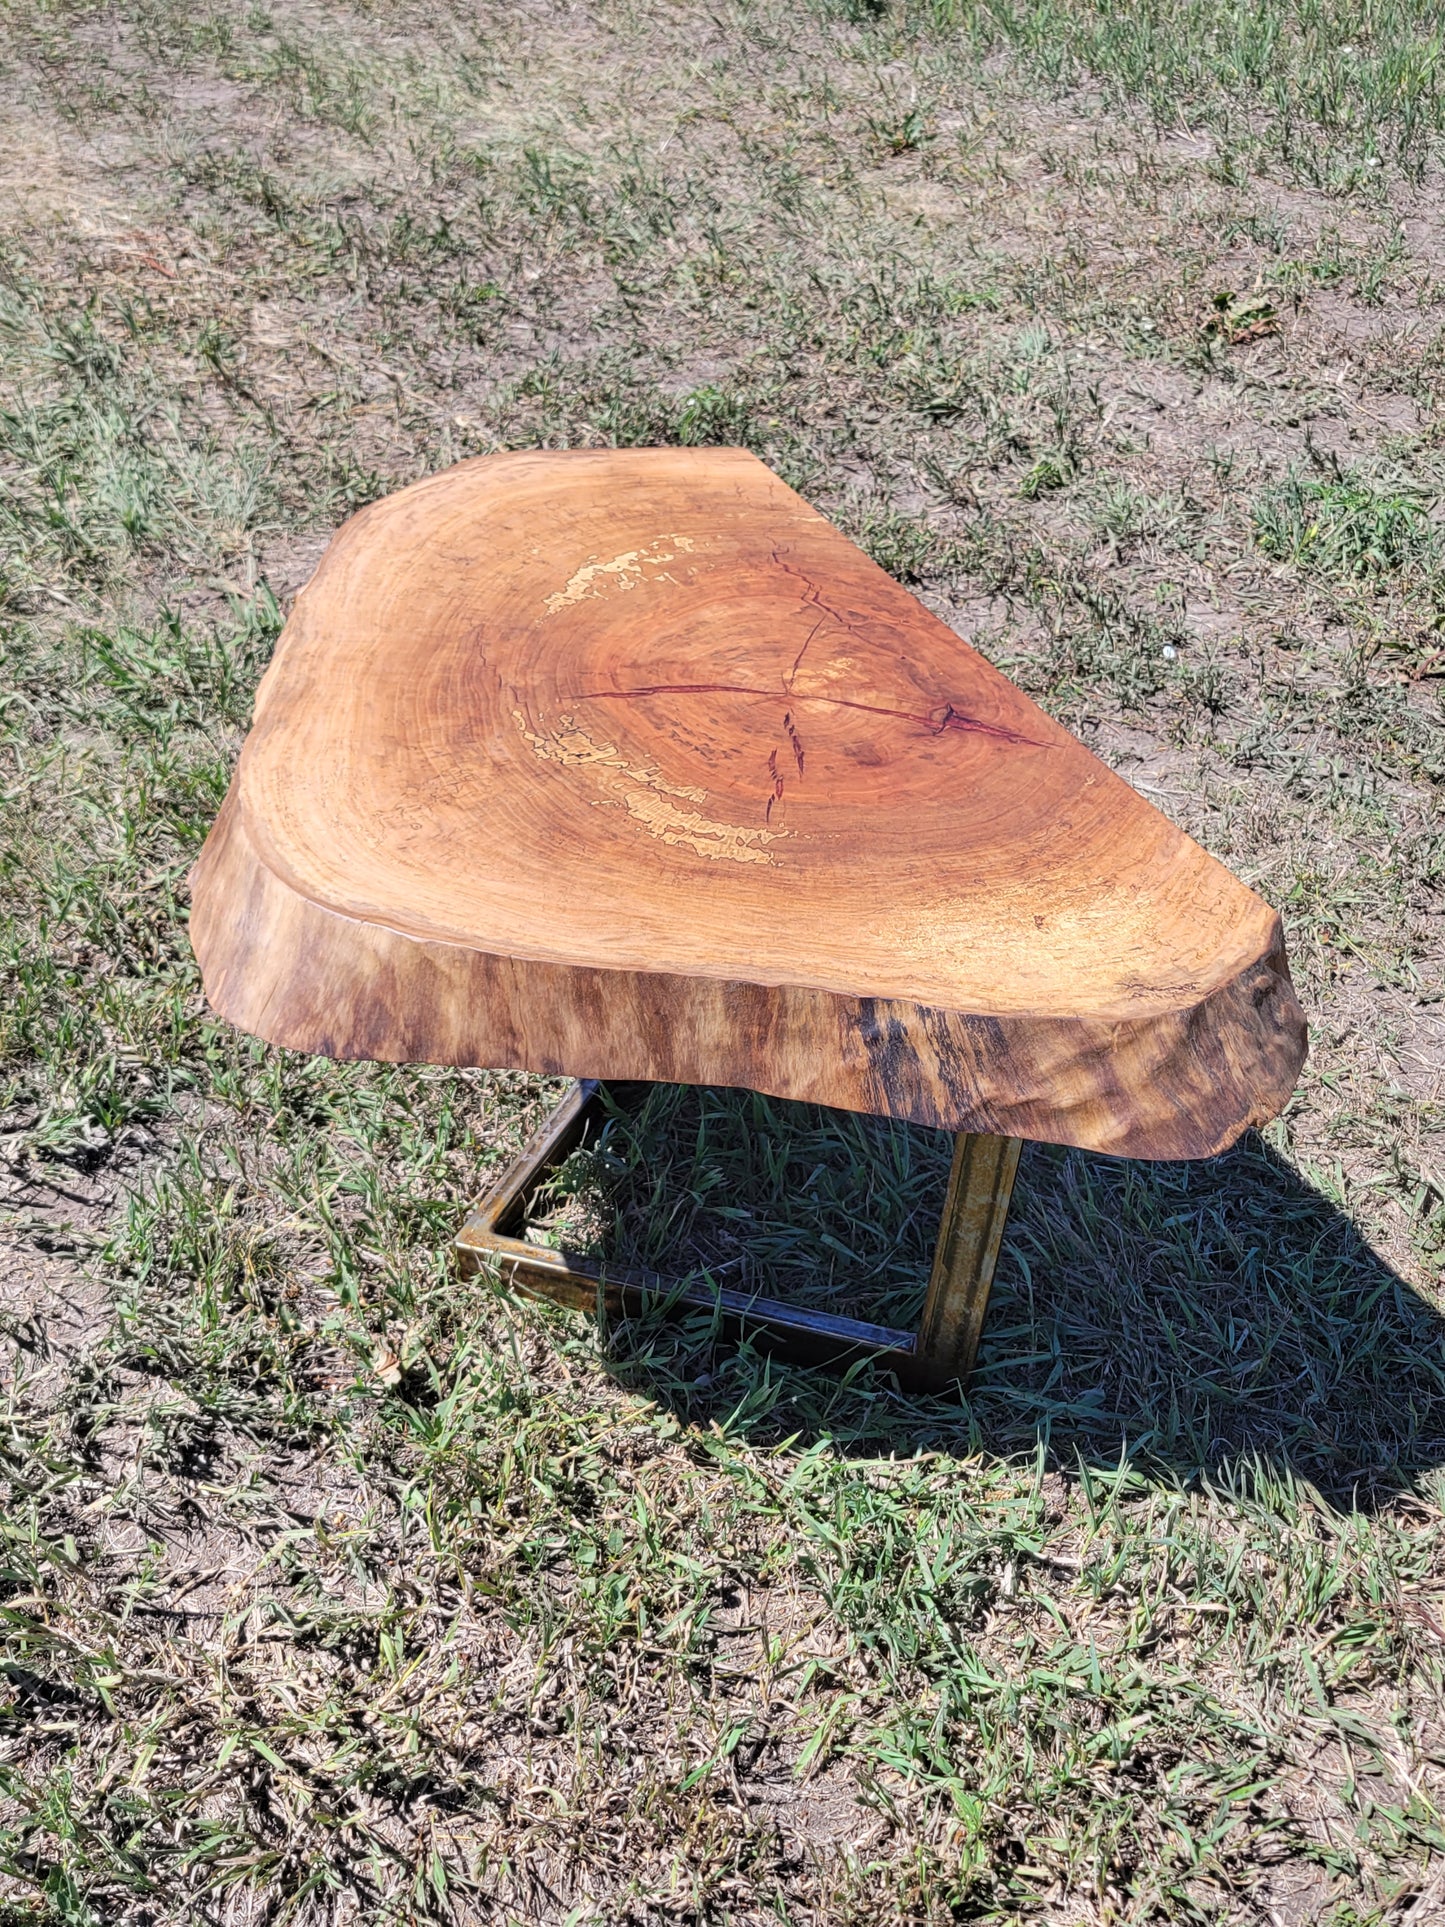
[814, 595]
[796, 740]
[792, 676]
[936, 722]
[777, 795]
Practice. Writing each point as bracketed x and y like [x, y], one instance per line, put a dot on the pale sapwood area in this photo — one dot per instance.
[627, 764]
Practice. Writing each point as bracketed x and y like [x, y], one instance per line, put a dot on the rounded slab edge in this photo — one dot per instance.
[1181, 1084]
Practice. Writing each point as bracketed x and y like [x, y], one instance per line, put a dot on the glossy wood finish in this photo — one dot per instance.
[628, 764]
[938, 1354]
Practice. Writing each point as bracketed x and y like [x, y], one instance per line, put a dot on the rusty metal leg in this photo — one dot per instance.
[491, 1236]
[975, 1210]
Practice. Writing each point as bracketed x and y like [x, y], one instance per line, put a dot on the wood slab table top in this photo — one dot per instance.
[627, 764]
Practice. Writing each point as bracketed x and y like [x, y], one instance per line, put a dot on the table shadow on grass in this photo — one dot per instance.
[1188, 1316]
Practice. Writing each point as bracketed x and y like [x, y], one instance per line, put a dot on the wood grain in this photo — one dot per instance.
[627, 764]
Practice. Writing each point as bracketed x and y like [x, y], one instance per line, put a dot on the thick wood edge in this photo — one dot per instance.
[1183, 1083]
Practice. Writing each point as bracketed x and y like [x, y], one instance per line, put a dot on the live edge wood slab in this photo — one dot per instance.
[627, 765]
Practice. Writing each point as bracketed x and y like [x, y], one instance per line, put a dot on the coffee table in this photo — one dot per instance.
[626, 765]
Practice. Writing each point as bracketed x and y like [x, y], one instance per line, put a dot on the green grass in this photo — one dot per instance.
[1332, 89]
[1347, 527]
[336, 1588]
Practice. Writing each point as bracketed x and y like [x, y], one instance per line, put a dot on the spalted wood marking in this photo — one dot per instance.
[625, 763]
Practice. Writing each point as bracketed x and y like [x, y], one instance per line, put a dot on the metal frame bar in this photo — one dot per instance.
[941, 1350]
